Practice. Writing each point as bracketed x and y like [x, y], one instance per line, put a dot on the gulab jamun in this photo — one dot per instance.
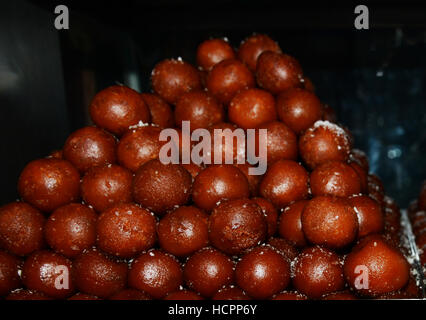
[10, 267]
[270, 213]
[213, 51]
[160, 110]
[370, 215]
[290, 223]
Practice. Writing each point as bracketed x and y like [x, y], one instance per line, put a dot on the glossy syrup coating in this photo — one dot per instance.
[329, 221]
[161, 187]
[271, 214]
[49, 273]
[49, 183]
[200, 108]
[138, 146]
[155, 273]
[362, 175]
[216, 183]
[171, 78]
[290, 223]
[277, 72]
[290, 295]
[71, 229]
[104, 187]
[160, 110]
[125, 230]
[227, 78]
[116, 108]
[387, 268]
[183, 295]
[370, 215]
[298, 108]
[208, 270]
[21, 228]
[231, 293]
[130, 294]
[236, 225]
[251, 108]
[213, 51]
[262, 272]
[340, 295]
[285, 247]
[252, 47]
[253, 179]
[284, 182]
[183, 231]
[97, 274]
[318, 271]
[334, 178]
[324, 142]
[9, 273]
[25, 294]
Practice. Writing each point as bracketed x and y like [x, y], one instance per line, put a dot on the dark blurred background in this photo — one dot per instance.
[375, 79]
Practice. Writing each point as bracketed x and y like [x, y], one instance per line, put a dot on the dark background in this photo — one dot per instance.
[375, 79]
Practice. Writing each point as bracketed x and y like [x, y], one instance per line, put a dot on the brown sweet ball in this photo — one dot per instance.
[71, 229]
[253, 179]
[183, 295]
[360, 158]
[236, 225]
[318, 271]
[375, 184]
[138, 146]
[290, 223]
[328, 114]
[125, 230]
[21, 228]
[219, 182]
[83, 297]
[160, 110]
[251, 108]
[285, 247]
[99, 275]
[340, 295]
[270, 213]
[155, 273]
[290, 295]
[370, 215]
[213, 51]
[277, 72]
[227, 78]
[387, 268]
[173, 77]
[284, 182]
[200, 108]
[25, 294]
[221, 133]
[231, 293]
[49, 183]
[116, 108]
[323, 142]
[10, 267]
[252, 47]
[183, 231]
[208, 270]
[262, 272]
[329, 221]
[104, 187]
[49, 273]
[362, 175]
[298, 109]
[334, 178]
[130, 294]
[160, 187]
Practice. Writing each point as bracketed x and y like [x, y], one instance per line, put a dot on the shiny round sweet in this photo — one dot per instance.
[262, 272]
[213, 51]
[130, 294]
[284, 182]
[208, 270]
[252, 47]
[125, 230]
[340, 295]
[155, 273]
[370, 215]
[49, 183]
[183, 231]
[216, 183]
[49, 273]
[160, 110]
[360, 158]
[323, 142]
[21, 228]
[71, 229]
[329, 221]
[387, 268]
[227, 78]
[183, 295]
[253, 179]
[277, 72]
[285, 247]
[362, 175]
[99, 275]
[200, 108]
[270, 213]
[251, 108]
[104, 187]
[9, 273]
[375, 184]
[220, 134]
[298, 108]
[161, 187]
[318, 271]
[236, 225]
[24, 294]
[290, 223]
[138, 146]
[231, 293]
[290, 295]
[116, 108]
[171, 78]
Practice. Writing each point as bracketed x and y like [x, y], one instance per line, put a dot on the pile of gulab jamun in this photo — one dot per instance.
[105, 218]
